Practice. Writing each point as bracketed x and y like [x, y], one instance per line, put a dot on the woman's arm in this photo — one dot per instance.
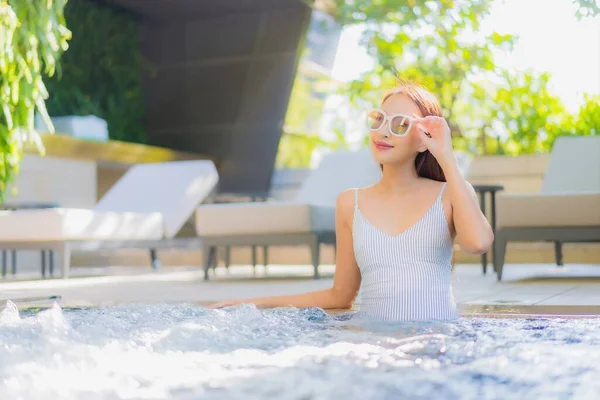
[473, 231]
[346, 281]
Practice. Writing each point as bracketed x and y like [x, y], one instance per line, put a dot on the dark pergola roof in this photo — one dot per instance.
[224, 70]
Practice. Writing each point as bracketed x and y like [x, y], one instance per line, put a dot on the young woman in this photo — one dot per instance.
[395, 238]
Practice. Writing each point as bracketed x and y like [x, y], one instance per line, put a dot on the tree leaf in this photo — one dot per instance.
[29, 35]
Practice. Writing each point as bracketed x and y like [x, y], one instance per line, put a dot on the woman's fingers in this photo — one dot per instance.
[423, 134]
[416, 117]
[221, 304]
[422, 130]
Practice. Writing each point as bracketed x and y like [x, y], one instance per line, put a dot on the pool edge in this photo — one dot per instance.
[466, 310]
[525, 311]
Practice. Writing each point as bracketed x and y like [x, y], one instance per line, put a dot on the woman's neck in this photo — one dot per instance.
[398, 179]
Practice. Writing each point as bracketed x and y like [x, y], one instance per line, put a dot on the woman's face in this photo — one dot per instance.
[386, 147]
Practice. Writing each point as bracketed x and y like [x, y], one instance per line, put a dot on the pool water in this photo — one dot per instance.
[189, 352]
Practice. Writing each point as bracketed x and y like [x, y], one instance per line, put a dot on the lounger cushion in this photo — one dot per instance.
[173, 188]
[338, 171]
[263, 218]
[60, 224]
[574, 165]
[548, 210]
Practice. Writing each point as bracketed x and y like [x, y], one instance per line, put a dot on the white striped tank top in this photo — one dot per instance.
[405, 277]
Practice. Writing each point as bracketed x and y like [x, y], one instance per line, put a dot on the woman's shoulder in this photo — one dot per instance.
[346, 198]
[431, 182]
[349, 194]
[433, 188]
[344, 205]
[366, 189]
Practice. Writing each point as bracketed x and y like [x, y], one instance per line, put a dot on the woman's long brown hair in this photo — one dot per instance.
[425, 163]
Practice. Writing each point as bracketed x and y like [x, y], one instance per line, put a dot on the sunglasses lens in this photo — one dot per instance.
[375, 119]
[400, 125]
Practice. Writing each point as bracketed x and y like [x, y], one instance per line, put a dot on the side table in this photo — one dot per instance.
[482, 191]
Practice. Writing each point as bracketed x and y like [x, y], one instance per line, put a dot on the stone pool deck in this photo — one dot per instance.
[535, 288]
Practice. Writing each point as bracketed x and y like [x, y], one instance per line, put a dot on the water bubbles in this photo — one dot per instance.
[52, 321]
[186, 352]
[10, 314]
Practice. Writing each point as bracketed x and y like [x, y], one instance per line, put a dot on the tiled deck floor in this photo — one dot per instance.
[522, 286]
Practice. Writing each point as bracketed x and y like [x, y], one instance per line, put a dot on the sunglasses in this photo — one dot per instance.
[399, 124]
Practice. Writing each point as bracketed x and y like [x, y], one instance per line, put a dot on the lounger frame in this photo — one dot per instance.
[312, 239]
[338, 171]
[66, 247]
[575, 234]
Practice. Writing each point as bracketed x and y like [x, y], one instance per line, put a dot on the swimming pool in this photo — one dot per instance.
[189, 352]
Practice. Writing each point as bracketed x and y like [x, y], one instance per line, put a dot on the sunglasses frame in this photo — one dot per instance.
[389, 119]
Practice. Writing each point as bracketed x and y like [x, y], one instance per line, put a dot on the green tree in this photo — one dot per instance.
[424, 41]
[587, 8]
[517, 115]
[300, 138]
[296, 149]
[102, 71]
[433, 43]
[33, 35]
[587, 120]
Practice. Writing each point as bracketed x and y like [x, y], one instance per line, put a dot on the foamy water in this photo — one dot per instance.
[188, 352]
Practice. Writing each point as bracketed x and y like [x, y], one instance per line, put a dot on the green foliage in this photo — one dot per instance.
[300, 137]
[433, 43]
[102, 71]
[587, 8]
[587, 120]
[298, 141]
[33, 35]
[306, 103]
[531, 115]
[518, 115]
[296, 149]
[424, 41]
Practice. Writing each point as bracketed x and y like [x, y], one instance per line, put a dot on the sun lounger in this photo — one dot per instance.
[307, 220]
[567, 209]
[146, 208]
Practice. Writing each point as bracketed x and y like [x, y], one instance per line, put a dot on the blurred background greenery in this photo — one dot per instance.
[103, 70]
[491, 110]
[33, 35]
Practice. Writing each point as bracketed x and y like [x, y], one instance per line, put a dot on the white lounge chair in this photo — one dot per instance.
[567, 209]
[308, 220]
[146, 208]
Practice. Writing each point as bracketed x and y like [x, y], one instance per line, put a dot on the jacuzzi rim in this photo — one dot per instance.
[529, 311]
[466, 310]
